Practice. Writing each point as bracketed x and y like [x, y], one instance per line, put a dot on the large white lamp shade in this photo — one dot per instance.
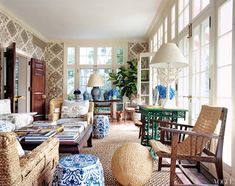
[168, 57]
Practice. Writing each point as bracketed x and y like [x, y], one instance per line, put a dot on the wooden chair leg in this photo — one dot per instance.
[172, 171]
[159, 163]
[198, 166]
[219, 171]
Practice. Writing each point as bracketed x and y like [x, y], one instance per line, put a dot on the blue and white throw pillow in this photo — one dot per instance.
[6, 126]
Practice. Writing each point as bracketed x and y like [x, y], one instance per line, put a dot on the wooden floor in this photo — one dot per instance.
[198, 178]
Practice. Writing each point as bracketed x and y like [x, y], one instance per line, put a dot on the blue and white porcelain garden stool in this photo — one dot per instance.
[79, 169]
[101, 126]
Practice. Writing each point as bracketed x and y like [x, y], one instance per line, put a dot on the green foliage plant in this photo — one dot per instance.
[126, 79]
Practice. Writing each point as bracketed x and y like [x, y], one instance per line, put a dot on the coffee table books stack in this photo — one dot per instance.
[38, 133]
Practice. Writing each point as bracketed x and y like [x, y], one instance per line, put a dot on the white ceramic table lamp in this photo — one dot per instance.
[168, 57]
[95, 81]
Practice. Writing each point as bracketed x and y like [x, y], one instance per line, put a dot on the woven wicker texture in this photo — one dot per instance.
[132, 164]
[206, 123]
[36, 168]
[105, 148]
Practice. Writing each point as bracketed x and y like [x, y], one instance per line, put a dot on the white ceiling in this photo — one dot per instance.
[86, 19]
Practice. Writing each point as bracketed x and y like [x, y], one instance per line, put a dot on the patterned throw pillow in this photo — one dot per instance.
[6, 126]
[74, 109]
[5, 106]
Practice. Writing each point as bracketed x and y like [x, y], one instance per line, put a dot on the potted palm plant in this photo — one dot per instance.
[125, 79]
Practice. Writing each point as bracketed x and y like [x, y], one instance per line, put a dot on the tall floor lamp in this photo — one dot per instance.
[169, 57]
[95, 81]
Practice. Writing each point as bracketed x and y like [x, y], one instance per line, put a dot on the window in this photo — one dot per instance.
[165, 29]
[160, 36]
[183, 14]
[198, 6]
[200, 68]
[155, 41]
[70, 71]
[173, 22]
[120, 56]
[90, 59]
[104, 55]
[183, 80]
[224, 71]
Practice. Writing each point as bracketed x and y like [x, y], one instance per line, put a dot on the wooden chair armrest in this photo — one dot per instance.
[89, 117]
[167, 123]
[192, 133]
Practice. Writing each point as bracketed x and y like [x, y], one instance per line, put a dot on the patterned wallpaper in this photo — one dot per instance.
[52, 53]
[135, 48]
[11, 31]
[54, 78]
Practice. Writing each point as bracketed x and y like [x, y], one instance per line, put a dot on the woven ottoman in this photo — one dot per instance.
[101, 126]
[79, 169]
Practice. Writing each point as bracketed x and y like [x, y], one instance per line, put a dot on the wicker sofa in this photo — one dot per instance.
[35, 168]
[55, 111]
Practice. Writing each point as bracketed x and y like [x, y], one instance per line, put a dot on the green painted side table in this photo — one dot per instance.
[149, 117]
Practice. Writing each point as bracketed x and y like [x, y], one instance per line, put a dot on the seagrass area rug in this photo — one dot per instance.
[104, 149]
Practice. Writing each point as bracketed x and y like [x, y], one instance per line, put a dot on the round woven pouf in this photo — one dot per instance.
[132, 164]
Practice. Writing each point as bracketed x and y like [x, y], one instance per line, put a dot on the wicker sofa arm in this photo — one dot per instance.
[45, 154]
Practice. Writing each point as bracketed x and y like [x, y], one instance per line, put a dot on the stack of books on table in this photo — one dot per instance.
[74, 128]
[40, 135]
[68, 136]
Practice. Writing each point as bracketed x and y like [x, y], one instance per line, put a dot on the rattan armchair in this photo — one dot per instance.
[35, 168]
[194, 144]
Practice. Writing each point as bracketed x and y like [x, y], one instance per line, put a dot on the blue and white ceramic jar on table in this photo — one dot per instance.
[79, 169]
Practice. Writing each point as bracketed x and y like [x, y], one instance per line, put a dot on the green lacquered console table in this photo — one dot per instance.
[149, 117]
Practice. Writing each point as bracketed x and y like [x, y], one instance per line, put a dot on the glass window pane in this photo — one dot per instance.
[224, 51]
[71, 56]
[181, 22]
[186, 16]
[120, 56]
[104, 55]
[196, 7]
[86, 55]
[70, 82]
[224, 82]
[225, 17]
[107, 84]
[84, 77]
[173, 22]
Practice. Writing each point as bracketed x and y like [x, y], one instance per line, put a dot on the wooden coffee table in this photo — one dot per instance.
[66, 146]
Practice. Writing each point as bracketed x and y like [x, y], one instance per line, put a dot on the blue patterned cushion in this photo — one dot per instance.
[6, 126]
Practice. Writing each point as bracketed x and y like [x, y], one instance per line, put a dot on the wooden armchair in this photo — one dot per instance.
[193, 145]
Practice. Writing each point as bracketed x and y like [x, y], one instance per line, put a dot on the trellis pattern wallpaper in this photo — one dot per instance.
[11, 31]
[52, 53]
[134, 49]
[54, 77]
